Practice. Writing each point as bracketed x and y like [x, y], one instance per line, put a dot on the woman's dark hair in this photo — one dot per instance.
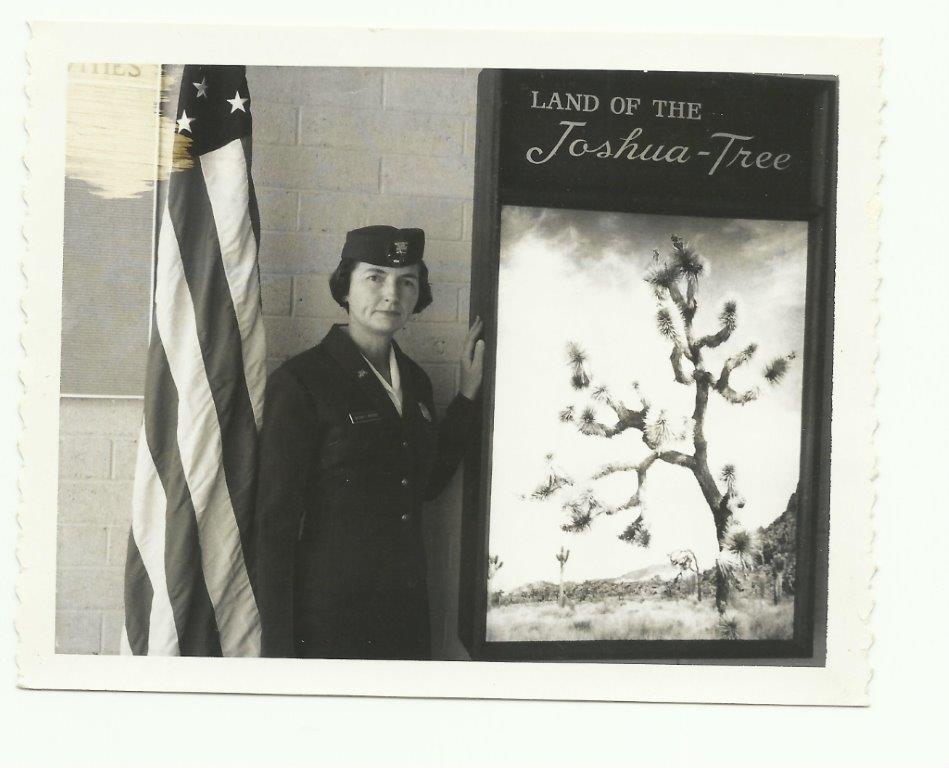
[339, 285]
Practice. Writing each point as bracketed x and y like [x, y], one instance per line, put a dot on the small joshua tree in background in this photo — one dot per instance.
[562, 556]
[686, 561]
[494, 565]
[675, 284]
[777, 577]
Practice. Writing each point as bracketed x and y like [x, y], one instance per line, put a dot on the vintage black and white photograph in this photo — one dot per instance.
[358, 367]
[647, 427]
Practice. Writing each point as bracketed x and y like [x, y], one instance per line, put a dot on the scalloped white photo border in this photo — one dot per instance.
[856, 62]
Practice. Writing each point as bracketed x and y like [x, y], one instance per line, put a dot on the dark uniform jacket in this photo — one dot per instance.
[341, 565]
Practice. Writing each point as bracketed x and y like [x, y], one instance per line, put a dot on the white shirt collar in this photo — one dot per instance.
[393, 390]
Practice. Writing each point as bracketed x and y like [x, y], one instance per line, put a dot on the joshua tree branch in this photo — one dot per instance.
[728, 320]
[738, 398]
[676, 359]
[686, 305]
[714, 339]
[627, 420]
[678, 458]
[611, 469]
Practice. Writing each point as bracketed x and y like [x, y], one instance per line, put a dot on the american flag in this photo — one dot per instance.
[189, 568]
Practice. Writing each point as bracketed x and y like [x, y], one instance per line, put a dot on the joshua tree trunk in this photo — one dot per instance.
[717, 503]
[562, 556]
[777, 586]
[777, 577]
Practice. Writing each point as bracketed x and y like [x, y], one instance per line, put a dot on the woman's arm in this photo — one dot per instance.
[288, 445]
[456, 432]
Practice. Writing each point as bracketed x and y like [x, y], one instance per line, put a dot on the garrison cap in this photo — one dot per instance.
[384, 246]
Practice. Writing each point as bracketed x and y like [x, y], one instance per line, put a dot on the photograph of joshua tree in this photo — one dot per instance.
[647, 427]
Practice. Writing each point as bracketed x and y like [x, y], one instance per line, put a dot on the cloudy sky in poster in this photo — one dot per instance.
[578, 276]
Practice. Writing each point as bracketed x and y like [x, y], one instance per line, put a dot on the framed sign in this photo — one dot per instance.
[653, 253]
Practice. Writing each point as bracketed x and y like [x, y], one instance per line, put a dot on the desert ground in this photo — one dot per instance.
[642, 618]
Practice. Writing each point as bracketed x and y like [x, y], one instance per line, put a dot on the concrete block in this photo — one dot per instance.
[278, 209]
[87, 456]
[83, 588]
[448, 260]
[118, 537]
[103, 416]
[296, 253]
[276, 294]
[81, 545]
[342, 86]
[436, 176]
[325, 212]
[78, 631]
[108, 502]
[274, 123]
[444, 379]
[112, 623]
[316, 168]
[433, 342]
[471, 135]
[312, 298]
[441, 219]
[467, 217]
[288, 336]
[379, 132]
[124, 455]
[431, 90]
[444, 306]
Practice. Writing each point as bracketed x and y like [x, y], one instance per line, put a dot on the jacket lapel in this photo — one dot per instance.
[347, 355]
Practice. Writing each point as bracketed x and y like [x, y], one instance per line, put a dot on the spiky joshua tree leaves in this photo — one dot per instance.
[554, 481]
[675, 281]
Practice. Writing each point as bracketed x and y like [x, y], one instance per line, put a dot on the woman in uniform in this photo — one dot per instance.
[349, 452]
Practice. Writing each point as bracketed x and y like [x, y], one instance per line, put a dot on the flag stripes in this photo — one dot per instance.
[189, 572]
[238, 246]
[193, 612]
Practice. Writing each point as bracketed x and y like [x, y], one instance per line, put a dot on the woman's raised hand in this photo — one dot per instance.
[472, 362]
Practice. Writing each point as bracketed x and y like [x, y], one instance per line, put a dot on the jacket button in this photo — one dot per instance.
[406, 517]
[405, 444]
[405, 482]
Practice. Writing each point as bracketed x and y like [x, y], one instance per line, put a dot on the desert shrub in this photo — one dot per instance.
[728, 628]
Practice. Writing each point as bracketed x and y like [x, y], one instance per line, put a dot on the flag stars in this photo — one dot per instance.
[184, 122]
[237, 103]
[202, 88]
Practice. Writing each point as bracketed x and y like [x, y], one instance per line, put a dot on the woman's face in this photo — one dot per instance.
[381, 299]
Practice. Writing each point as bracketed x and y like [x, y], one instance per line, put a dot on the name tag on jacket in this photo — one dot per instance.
[364, 417]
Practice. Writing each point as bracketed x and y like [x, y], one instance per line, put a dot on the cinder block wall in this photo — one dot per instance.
[334, 149]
